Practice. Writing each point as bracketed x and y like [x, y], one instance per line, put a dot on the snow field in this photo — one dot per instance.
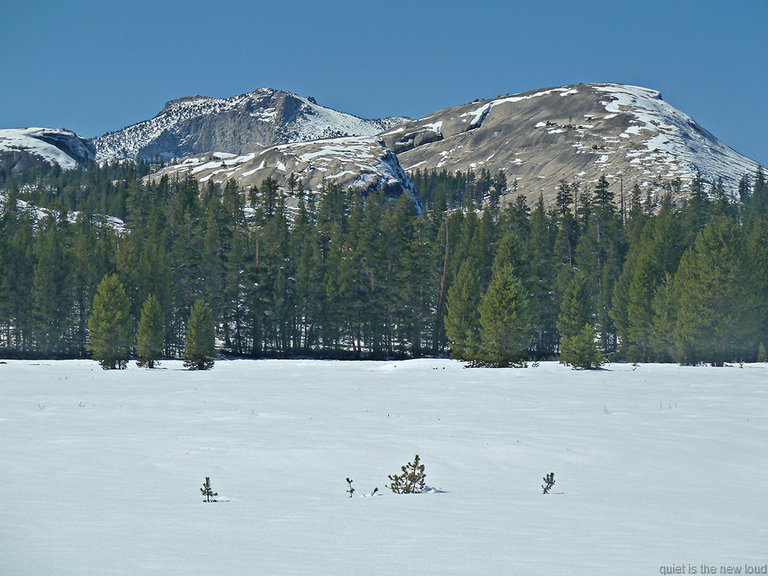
[27, 140]
[655, 466]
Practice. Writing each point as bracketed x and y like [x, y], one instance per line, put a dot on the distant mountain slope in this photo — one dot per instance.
[22, 148]
[574, 132]
[237, 125]
[357, 162]
[579, 132]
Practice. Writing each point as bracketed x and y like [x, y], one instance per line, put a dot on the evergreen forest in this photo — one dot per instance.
[671, 273]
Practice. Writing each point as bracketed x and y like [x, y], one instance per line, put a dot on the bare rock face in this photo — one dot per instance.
[237, 125]
[578, 133]
[352, 162]
[24, 148]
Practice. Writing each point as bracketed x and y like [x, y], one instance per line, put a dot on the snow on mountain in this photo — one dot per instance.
[236, 125]
[357, 162]
[60, 147]
[581, 132]
[578, 133]
[672, 139]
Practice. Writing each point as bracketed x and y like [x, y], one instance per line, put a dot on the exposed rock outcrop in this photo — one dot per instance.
[351, 162]
[238, 125]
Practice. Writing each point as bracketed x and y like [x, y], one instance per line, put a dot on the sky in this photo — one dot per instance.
[95, 67]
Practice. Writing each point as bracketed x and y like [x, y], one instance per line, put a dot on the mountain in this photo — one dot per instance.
[237, 125]
[357, 162]
[23, 148]
[580, 132]
[577, 133]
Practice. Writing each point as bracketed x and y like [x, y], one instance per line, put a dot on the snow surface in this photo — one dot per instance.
[655, 467]
[675, 139]
[28, 140]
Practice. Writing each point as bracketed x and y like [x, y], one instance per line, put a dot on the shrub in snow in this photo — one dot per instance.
[762, 355]
[549, 481]
[411, 481]
[207, 491]
[350, 490]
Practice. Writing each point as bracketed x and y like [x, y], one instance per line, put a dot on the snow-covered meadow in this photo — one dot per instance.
[656, 468]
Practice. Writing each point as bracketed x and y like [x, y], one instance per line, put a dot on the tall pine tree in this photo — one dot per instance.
[151, 333]
[199, 352]
[111, 325]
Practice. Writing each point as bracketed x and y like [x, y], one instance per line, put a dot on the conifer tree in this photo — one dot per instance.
[541, 282]
[506, 321]
[580, 349]
[657, 253]
[603, 196]
[207, 491]
[151, 333]
[17, 278]
[51, 291]
[411, 481]
[199, 352]
[757, 279]
[664, 306]
[716, 313]
[110, 325]
[577, 308]
[462, 319]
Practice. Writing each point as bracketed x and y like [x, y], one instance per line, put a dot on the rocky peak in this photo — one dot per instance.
[237, 125]
[578, 133]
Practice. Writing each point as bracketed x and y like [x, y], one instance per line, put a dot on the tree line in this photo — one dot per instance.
[671, 273]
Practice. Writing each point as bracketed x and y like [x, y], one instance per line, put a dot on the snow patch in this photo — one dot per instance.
[30, 140]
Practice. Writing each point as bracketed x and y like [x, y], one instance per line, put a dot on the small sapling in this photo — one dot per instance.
[549, 480]
[207, 491]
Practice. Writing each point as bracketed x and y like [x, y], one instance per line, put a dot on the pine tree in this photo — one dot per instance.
[110, 325]
[541, 282]
[664, 306]
[51, 293]
[603, 196]
[577, 308]
[462, 320]
[199, 352]
[17, 278]
[207, 491]
[151, 333]
[717, 316]
[412, 479]
[580, 350]
[757, 279]
[506, 321]
[657, 253]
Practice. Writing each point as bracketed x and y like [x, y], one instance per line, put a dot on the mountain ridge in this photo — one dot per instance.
[577, 133]
[240, 124]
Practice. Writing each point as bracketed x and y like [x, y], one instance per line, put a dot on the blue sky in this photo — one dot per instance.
[94, 67]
